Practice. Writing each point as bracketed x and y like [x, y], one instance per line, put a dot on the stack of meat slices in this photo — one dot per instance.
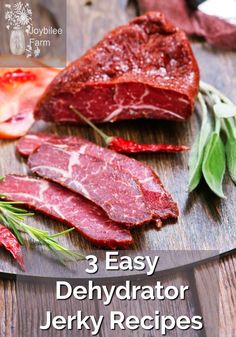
[68, 207]
[101, 193]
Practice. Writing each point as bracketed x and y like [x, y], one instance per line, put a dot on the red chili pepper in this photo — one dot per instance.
[9, 241]
[17, 76]
[128, 146]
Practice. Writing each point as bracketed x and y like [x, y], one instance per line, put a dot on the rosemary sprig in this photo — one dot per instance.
[210, 154]
[13, 217]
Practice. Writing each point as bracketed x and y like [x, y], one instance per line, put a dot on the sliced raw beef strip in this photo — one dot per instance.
[67, 207]
[158, 199]
[114, 191]
[145, 69]
[155, 195]
[32, 141]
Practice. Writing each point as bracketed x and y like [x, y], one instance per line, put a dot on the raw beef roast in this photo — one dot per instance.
[67, 207]
[156, 197]
[145, 69]
[116, 192]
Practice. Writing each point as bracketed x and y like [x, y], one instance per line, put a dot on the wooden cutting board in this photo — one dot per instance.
[205, 222]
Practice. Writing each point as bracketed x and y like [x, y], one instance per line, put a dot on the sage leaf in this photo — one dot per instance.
[230, 149]
[217, 154]
[213, 166]
[197, 150]
[195, 165]
[230, 128]
[223, 110]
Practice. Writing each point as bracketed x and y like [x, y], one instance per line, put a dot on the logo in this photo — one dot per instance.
[19, 22]
[25, 38]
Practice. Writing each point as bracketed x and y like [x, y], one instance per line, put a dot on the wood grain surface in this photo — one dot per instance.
[177, 308]
[33, 294]
[205, 222]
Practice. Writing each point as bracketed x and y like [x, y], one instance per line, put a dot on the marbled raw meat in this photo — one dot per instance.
[70, 208]
[116, 192]
[158, 199]
[144, 69]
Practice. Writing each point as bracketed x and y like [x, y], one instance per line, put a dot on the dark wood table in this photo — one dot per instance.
[205, 223]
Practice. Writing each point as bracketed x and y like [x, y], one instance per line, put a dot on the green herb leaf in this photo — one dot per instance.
[197, 151]
[11, 216]
[214, 164]
[210, 155]
[230, 149]
[230, 128]
[195, 165]
[223, 110]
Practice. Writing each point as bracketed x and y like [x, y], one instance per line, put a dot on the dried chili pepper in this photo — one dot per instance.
[128, 146]
[17, 76]
[9, 241]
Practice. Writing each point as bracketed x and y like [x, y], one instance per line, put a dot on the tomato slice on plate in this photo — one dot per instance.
[20, 90]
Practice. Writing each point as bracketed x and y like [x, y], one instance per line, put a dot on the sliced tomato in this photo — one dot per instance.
[17, 126]
[20, 90]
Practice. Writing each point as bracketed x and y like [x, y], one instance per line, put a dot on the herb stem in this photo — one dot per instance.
[105, 137]
[203, 105]
[217, 125]
[14, 217]
[206, 88]
[229, 128]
